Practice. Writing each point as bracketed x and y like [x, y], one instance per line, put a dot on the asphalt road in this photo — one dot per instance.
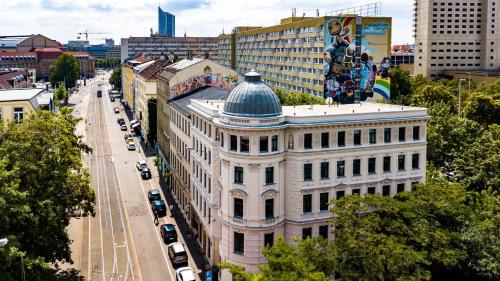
[121, 242]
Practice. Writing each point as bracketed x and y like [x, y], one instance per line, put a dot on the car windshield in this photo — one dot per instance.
[155, 192]
[159, 203]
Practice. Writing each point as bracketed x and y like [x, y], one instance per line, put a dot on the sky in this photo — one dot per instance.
[64, 19]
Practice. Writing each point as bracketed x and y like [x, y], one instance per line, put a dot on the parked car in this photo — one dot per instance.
[160, 207]
[141, 164]
[145, 173]
[120, 120]
[168, 233]
[112, 98]
[177, 253]
[116, 109]
[184, 274]
[154, 194]
[123, 127]
[131, 146]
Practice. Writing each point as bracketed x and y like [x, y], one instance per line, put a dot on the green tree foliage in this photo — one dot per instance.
[60, 93]
[428, 94]
[42, 182]
[296, 98]
[401, 86]
[116, 79]
[483, 108]
[283, 263]
[66, 69]
[107, 63]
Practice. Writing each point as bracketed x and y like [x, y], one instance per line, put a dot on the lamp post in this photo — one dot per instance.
[460, 97]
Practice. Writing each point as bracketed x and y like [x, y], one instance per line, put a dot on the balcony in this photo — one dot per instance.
[239, 221]
[268, 221]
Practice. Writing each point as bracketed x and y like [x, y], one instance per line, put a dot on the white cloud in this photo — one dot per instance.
[63, 19]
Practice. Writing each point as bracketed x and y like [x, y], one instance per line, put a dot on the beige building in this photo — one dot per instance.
[128, 79]
[456, 35]
[16, 104]
[261, 170]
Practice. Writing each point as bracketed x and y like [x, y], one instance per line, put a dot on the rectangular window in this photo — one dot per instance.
[307, 203]
[244, 144]
[238, 175]
[306, 232]
[371, 190]
[325, 170]
[264, 144]
[341, 139]
[387, 135]
[386, 190]
[18, 114]
[269, 208]
[400, 187]
[402, 134]
[356, 191]
[238, 208]
[357, 137]
[401, 162]
[269, 175]
[323, 231]
[341, 168]
[373, 136]
[239, 243]
[274, 143]
[269, 239]
[356, 167]
[340, 194]
[222, 139]
[308, 141]
[233, 143]
[416, 133]
[371, 165]
[415, 159]
[324, 201]
[307, 172]
[325, 140]
[387, 164]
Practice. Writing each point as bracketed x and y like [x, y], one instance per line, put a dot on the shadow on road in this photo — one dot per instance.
[70, 274]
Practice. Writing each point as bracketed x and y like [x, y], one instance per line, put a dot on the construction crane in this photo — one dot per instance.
[87, 34]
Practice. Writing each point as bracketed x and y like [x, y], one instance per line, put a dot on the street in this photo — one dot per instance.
[122, 241]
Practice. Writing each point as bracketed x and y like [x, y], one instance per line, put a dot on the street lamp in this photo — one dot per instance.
[460, 97]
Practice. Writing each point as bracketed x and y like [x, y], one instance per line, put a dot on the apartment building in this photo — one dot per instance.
[16, 104]
[456, 35]
[273, 170]
[156, 45]
[128, 86]
[314, 55]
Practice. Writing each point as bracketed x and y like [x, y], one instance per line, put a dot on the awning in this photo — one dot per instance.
[135, 125]
[133, 122]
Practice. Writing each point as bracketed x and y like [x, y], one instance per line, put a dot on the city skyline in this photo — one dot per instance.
[62, 19]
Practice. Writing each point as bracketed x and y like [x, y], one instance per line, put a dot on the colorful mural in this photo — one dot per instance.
[207, 79]
[339, 60]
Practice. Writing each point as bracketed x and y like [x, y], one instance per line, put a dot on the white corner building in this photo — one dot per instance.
[261, 170]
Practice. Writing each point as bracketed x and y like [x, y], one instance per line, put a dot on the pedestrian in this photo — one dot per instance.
[171, 210]
[156, 217]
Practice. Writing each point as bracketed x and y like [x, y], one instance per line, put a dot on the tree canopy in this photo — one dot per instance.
[66, 69]
[42, 182]
[297, 98]
[116, 78]
[60, 93]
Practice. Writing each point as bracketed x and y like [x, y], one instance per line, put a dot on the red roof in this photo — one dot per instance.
[154, 68]
[52, 50]
[13, 54]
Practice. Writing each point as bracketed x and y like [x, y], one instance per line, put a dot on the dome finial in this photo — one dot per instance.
[252, 75]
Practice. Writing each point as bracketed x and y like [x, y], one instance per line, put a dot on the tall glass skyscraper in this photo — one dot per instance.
[166, 23]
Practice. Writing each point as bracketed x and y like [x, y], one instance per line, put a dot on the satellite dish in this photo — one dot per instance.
[329, 101]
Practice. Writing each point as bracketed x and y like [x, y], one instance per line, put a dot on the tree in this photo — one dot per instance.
[66, 69]
[283, 263]
[429, 94]
[60, 93]
[297, 98]
[116, 79]
[483, 109]
[401, 86]
[42, 182]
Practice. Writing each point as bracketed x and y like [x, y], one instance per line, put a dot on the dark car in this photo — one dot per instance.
[120, 120]
[145, 174]
[160, 207]
[112, 98]
[168, 233]
[154, 194]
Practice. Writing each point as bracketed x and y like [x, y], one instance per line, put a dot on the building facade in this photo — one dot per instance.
[261, 170]
[183, 47]
[166, 23]
[299, 54]
[456, 35]
[37, 41]
[128, 79]
[16, 104]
